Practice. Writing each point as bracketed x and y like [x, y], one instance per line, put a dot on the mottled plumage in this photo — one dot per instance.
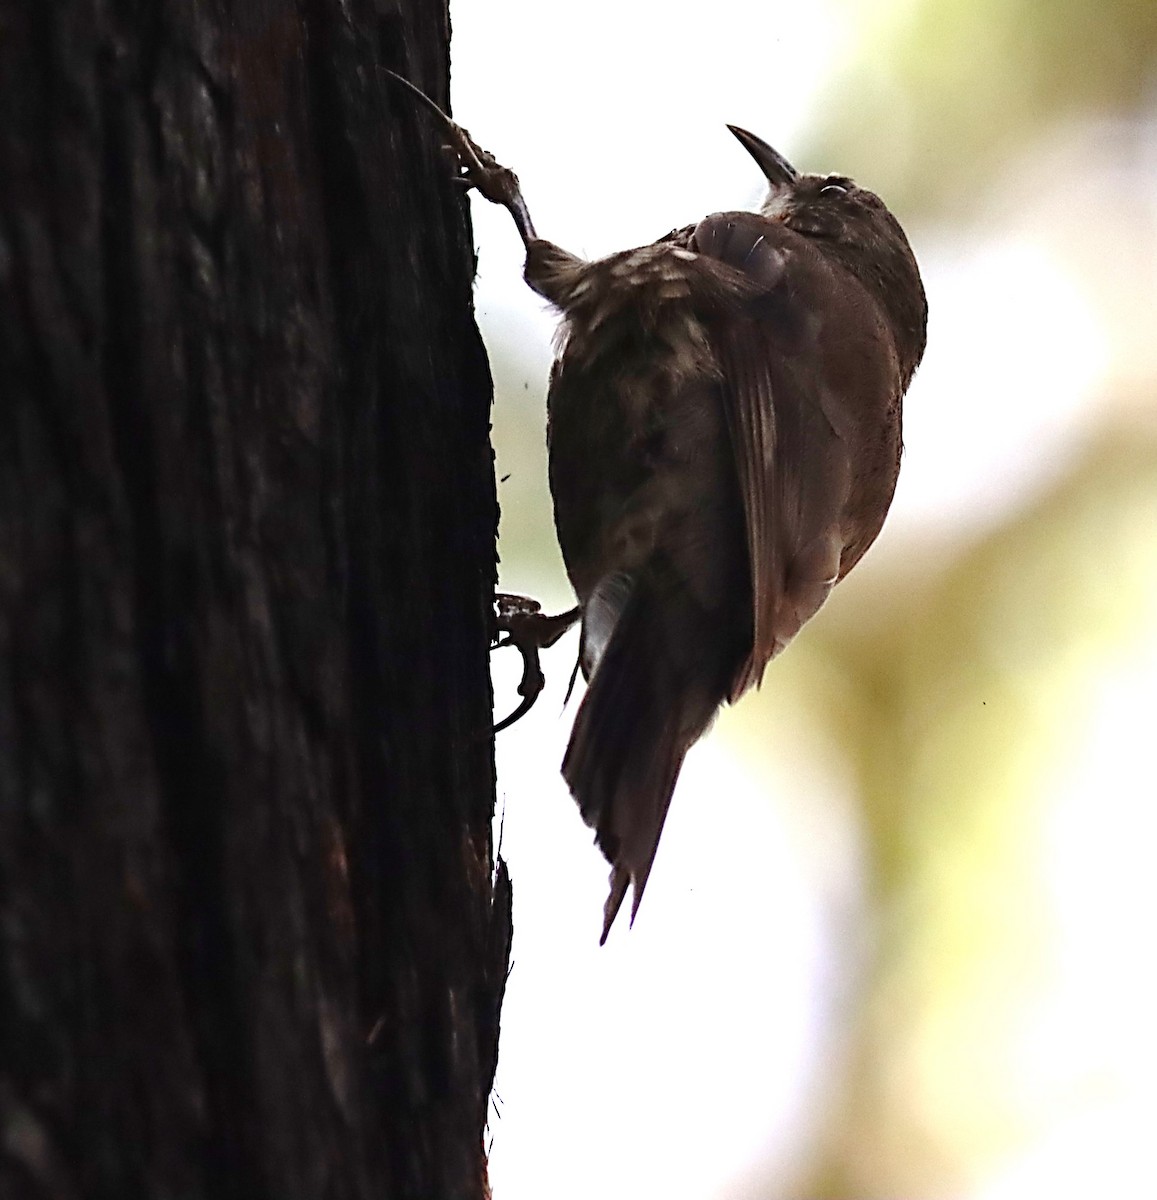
[724, 432]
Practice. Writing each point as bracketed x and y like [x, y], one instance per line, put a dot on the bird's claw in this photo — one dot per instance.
[521, 622]
[475, 167]
[479, 169]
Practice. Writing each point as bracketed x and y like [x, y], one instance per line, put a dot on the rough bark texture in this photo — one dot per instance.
[251, 941]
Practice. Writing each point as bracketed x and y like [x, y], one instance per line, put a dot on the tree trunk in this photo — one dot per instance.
[252, 943]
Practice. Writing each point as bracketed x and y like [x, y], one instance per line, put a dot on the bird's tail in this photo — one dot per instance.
[653, 691]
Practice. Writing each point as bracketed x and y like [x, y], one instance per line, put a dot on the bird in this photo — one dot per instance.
[724, 427]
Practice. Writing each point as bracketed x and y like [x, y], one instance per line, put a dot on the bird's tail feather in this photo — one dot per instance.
[647, 703]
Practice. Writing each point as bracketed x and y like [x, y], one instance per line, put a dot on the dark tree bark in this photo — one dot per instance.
[251, 940]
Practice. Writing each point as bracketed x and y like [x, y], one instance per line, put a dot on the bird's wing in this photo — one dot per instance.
[793, 468]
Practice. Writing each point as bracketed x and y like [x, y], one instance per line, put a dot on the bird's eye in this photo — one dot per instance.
[834, 189]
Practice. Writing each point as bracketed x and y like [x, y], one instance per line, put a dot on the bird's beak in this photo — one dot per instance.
[779, 172]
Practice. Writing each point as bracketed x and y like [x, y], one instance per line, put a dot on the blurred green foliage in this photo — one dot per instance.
[938, 94]
[975, 704]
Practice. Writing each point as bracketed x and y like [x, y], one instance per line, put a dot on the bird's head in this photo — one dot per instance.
[854, 227]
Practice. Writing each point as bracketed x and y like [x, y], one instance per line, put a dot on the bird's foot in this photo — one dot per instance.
[522, 623]
[475, 167]
[478, 168]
